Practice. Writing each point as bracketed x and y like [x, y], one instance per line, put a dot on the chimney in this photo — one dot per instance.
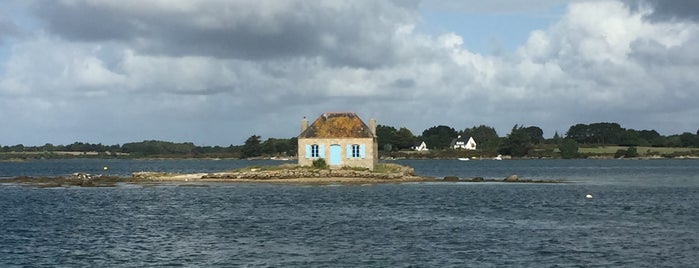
[372, 126]
[304, 124]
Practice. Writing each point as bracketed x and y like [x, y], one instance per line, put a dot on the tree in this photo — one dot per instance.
[606, 133]
[385, 136]
[518, 142]
[557, 138]
[404, 139]
[269, 146]
[536, 135]
[486, 137]
[252, 147]
[597, 133]
[439, 137]
[689, 140]
[652, 138]
[16, 148]
[569, 149]
[293, 146]
[579, 133]
[630, 137]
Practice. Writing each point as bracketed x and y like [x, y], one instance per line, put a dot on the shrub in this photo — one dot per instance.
[620, 153]
[569, 149]
[320, 163]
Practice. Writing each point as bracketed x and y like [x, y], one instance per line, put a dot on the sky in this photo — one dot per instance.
[215, 72]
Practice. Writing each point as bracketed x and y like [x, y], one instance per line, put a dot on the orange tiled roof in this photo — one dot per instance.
[337, 125]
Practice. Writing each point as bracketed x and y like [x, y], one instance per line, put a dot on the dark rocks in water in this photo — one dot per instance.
[477, 179]
[83, 179]
[512, 178]
[451, 178]
[77, 179]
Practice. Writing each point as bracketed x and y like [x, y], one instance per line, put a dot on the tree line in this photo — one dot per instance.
[524, 140]
[521, 141]
[152, 148]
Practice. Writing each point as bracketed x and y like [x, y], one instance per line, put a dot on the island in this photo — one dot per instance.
[282, 174]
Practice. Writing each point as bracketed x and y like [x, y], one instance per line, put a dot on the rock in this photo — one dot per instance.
[512, 178]
[478, 179]
[451, 178]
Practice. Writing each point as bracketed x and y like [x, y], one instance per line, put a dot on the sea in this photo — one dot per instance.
[643, 213]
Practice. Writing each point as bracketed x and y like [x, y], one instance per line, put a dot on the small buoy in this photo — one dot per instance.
[588, 196]
[105, 168]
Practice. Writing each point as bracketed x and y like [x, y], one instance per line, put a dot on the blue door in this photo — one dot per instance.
[335, 155]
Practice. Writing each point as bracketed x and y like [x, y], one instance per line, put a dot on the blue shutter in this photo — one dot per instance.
[308, 151]
[362, 153]
[348, 152]
[321, 151]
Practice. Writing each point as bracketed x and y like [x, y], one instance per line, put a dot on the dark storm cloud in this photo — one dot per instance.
[664, 10]
[356, 34]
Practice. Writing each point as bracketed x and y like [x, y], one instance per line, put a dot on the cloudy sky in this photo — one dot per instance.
[214, 72]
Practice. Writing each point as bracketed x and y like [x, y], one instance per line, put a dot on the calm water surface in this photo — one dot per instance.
[643, 214]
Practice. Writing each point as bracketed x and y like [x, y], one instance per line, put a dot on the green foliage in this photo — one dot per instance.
[320, 163]
[439, 137]
[285, 147]
[518, 142]
[387, 168]
[620, 153]
[404, 139]
[536, 135]
[486, 137]
[385, 137]
[597, 133]
[556, 138]
[388, 138]
[628, 153]
[689, 140]
[569, 149]
[151, 148]
[252, 147]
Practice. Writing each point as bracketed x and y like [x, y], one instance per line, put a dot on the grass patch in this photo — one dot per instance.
[387, 168]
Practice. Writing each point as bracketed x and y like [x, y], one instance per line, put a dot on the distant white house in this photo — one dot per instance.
[463, 143]
[421, 147]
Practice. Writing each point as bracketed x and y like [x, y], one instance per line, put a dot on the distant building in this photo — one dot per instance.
[463, 143]
[420, 147]
[342, 139]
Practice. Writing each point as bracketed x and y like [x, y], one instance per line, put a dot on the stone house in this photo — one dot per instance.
[342, 139]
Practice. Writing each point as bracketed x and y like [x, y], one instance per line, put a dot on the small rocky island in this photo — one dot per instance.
[288, 174]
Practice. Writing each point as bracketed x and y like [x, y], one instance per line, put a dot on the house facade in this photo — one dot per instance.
[463, 143]
[420, 147]
[341, 139]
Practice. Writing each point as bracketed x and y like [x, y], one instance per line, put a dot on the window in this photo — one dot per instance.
[355, 150]
[314, 151]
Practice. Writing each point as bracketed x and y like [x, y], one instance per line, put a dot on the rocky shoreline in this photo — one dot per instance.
[288, 174]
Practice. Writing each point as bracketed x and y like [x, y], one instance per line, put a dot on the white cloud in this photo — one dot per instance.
[215, 72]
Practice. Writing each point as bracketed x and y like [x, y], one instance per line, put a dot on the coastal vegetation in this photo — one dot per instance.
[603, 139]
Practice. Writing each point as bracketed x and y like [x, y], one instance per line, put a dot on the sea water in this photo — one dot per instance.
[643, 213]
